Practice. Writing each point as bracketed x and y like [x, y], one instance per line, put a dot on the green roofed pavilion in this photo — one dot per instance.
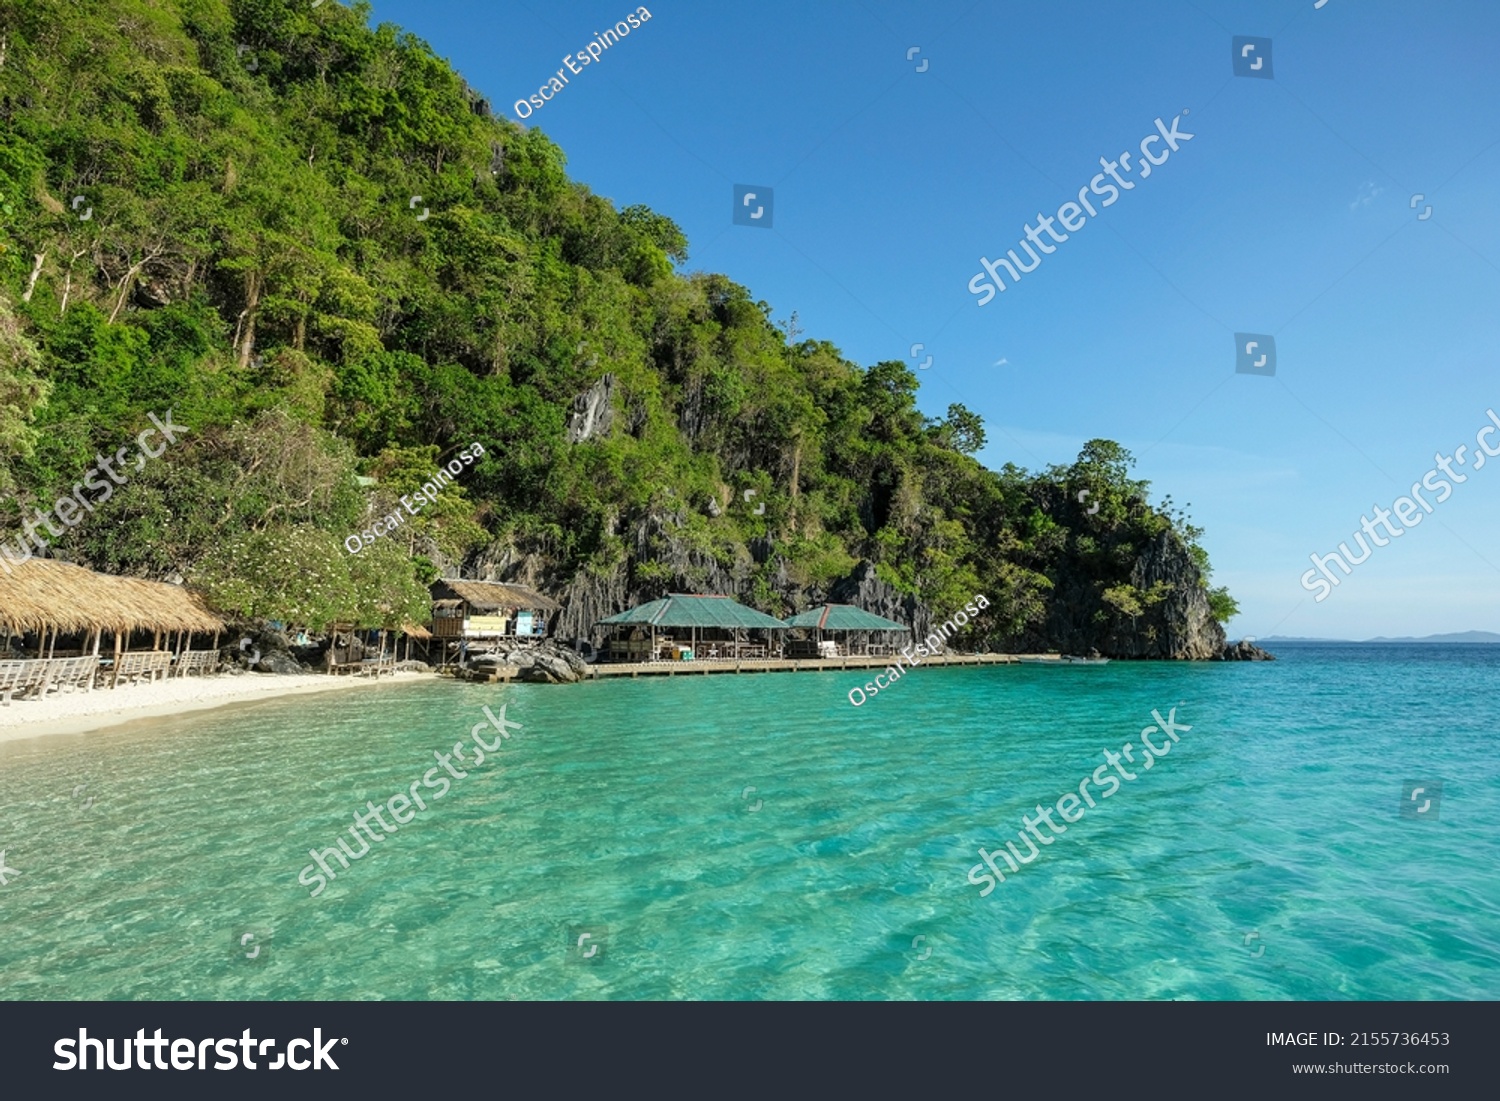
[858, 629]
[717, 622]
[843, 617]
[686, 610]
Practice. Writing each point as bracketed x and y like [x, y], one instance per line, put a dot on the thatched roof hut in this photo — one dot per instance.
[488, 610]
[42, 594]
[494, 596]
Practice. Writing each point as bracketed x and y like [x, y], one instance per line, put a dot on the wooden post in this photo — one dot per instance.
[181, 658]
[98, 634]
[114, 680]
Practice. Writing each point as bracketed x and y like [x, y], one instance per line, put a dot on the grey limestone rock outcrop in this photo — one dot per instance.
[1181, 627]
[1177, 627]
[593, 411]
[1244, 650]
[278, 661]
[543, 662]
[864, 589]
[262, 650]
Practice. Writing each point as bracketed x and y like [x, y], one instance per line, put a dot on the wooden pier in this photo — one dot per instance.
[505, 674]
[781, 665]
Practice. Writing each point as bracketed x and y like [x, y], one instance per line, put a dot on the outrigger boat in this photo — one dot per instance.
[1060, 659]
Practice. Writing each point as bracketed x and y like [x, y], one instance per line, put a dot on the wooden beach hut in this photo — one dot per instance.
[485, 610]
[45, 601]
[415, 631]
[351, 650]
[693, 627]
[854, 631]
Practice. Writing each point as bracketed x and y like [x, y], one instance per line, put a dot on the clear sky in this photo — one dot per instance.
[1289, 213]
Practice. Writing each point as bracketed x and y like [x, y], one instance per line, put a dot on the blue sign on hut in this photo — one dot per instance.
[856, 625]
[689, 627]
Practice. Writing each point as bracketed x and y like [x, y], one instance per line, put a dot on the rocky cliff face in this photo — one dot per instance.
[865, 590]
[588, 596]
[1244, 651]
[1179, 627]
[593, 411]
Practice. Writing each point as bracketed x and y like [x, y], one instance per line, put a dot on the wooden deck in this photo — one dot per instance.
[781, 665]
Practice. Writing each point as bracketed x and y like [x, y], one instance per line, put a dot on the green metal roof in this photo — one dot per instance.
[687, 610]
[842, 617]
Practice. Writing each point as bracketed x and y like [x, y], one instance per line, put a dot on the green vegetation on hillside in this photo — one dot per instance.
[252, 259]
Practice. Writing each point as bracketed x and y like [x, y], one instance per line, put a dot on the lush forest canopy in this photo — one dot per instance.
[208, 206]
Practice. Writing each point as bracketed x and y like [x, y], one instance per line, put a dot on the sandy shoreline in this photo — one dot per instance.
[81, 712]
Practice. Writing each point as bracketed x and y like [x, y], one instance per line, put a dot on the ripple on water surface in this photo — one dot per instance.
[759, 837]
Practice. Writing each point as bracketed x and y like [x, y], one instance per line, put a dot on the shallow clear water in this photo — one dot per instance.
[620, 811]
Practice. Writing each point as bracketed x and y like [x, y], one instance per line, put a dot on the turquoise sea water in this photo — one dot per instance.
[1264, 857]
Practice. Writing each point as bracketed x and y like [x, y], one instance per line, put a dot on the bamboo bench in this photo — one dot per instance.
[14, 677]
[70, 673]
[364, 667]
[202, 662]
[40, 676]
[141, 663]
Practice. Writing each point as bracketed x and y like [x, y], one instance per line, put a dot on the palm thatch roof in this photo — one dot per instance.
[843, 617]
[493, 596]
[58, 596]
[695, 610]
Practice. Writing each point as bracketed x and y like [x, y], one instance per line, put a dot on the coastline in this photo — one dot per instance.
[82, 713]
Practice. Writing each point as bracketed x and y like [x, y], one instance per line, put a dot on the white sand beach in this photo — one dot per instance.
[79, 712]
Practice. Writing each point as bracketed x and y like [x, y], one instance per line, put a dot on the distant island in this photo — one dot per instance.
[1456, 636]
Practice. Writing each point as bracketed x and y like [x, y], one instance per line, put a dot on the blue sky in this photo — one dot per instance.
[1289, 213]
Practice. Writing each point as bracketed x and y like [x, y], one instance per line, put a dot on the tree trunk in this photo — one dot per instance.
[68, 282]
[253, 285]
[37, 269]
[125, 285]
